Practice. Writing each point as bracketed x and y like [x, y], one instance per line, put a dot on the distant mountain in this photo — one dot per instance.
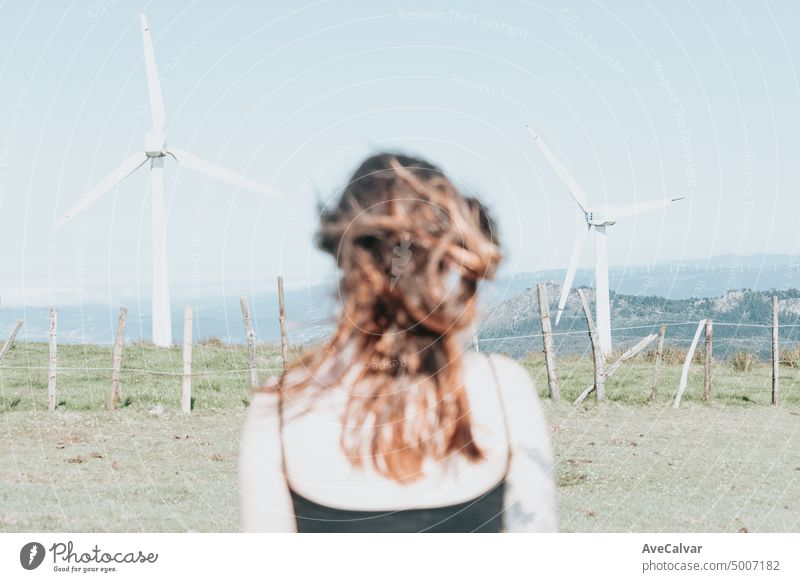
[673, 280]
[310, 319]
[311, 310]
[742, 321]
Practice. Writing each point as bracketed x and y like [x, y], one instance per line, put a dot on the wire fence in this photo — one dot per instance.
[141, 370]
[211, 375]
[248, 365]
[576, 341]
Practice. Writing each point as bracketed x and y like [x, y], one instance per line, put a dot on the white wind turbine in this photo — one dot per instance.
[597, 218]
[155, 150]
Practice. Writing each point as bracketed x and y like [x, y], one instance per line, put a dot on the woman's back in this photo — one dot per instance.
[512, 488]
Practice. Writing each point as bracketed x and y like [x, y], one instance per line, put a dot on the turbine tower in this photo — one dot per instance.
[155, 150]
[597, 218]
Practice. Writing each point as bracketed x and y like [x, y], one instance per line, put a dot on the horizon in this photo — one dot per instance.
[41, 296]
[311, 309]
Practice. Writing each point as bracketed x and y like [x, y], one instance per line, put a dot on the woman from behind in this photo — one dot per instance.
[393, 425]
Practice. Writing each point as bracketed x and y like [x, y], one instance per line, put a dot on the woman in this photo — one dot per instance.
[391, 426]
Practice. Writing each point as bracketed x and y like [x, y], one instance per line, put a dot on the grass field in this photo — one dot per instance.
[730, 465]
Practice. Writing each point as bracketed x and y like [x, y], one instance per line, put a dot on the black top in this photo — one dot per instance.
[481, 514]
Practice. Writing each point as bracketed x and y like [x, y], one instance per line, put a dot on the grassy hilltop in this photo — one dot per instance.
[626, 464]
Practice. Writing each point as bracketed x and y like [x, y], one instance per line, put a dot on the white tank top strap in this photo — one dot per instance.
[502, 412]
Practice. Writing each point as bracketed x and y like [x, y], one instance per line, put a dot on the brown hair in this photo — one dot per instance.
[411, 251]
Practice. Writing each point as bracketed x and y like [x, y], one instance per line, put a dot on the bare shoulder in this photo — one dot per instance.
[508, 368]
[260, 436]
[514, 379]
[263, 412]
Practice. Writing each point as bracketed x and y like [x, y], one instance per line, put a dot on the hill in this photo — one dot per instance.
[742, 321]
[654, 291]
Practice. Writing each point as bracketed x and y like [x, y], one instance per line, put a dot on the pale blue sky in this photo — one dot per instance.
[640, 99]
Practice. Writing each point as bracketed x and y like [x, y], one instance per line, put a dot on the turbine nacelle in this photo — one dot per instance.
[155, 144]
[601, 216]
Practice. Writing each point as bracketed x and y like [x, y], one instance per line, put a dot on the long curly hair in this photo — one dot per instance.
[411, 251]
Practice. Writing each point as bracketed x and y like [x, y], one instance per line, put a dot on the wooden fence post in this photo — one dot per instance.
[251, 342]
[186, 388]
[51, 376]
[547, 339]
[119, 341]
[709, 359]
[627, 355]
[599, 362]
[662, 332]
[687, 363]
[775, 350]
[282, 321]
[10, 339]
[475, 345]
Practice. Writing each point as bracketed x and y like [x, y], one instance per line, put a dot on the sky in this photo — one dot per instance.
[639, 100]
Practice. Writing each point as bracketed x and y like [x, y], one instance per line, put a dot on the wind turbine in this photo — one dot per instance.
[155, 150]
[597, 218]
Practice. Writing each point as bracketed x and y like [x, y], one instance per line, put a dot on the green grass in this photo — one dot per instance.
[715, 467]
[631, 383]
[149, 376]
[623, 465]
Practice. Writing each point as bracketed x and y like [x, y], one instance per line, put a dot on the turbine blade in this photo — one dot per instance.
[642, 207]
[573, 265]
[574, 189]
[153, 84]
[121, 172]
[214, 171]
